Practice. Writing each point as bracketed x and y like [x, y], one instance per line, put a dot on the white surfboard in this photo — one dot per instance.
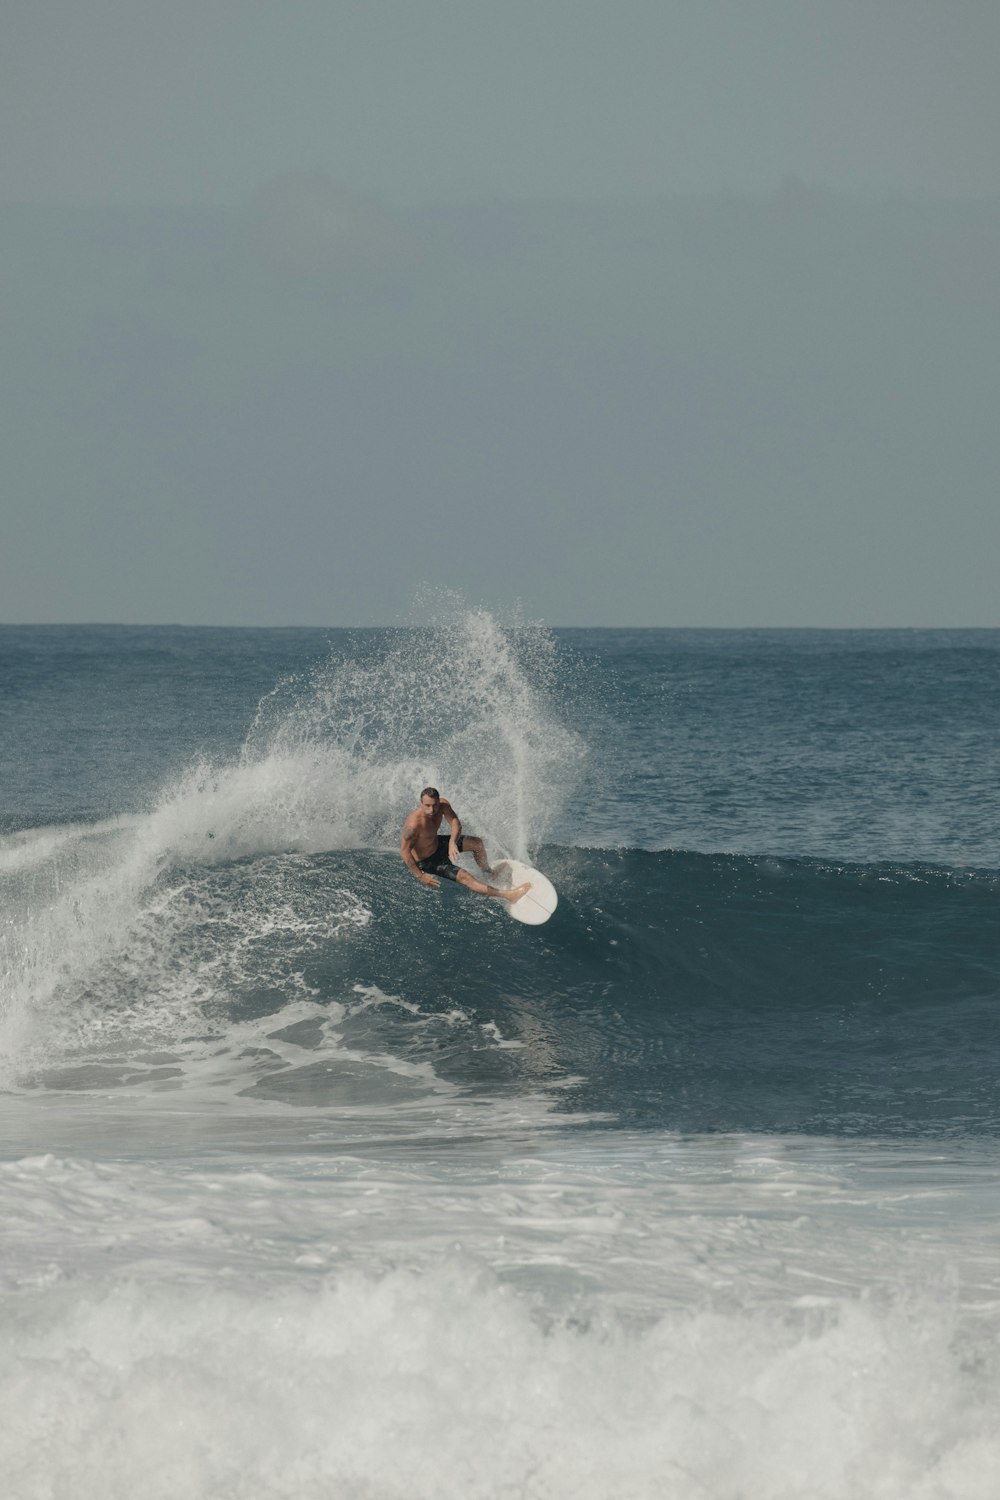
[535, 906]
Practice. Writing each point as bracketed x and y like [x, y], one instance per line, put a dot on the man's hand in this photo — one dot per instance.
[426, 879]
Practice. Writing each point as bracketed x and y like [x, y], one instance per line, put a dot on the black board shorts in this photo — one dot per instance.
[438, 863]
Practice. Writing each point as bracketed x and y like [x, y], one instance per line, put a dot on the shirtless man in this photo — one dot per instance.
[428, 853]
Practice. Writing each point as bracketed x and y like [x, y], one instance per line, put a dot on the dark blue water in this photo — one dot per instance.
[778, 856]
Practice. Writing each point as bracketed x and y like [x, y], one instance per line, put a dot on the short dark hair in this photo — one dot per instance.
[430, 791]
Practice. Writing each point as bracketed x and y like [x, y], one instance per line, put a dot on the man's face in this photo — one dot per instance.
[430, 805]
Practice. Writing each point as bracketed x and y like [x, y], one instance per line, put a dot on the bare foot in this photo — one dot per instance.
[516, 893]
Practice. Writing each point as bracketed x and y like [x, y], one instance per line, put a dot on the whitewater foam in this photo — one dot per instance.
[550, 1327]
[121, 924]
[465, 703]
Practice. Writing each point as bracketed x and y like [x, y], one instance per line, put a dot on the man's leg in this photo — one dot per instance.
[472, 884]
[475, 846]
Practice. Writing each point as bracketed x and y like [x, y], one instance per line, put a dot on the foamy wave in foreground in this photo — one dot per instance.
[443, 1385]
[402, 1333]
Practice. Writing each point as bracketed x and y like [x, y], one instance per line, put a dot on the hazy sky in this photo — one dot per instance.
[116, 101]
[654, 311]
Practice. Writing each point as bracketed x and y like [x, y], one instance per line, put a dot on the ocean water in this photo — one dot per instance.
[317, 1183]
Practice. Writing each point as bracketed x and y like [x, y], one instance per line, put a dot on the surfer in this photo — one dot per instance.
[428, 853]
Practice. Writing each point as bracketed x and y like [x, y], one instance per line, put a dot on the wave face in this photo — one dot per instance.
[730, 993]
[677, 991]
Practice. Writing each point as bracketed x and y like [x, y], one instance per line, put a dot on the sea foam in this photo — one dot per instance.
[103, 917]
[202, 1333]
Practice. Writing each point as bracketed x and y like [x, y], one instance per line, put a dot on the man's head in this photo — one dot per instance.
[429, 798]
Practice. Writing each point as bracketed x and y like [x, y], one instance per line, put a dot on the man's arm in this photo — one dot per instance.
[410, 859]
[456, 830]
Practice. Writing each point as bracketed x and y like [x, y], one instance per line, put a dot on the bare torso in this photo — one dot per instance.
[421, 829]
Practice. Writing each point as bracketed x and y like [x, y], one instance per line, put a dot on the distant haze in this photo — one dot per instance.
[648, 313]
[174, 101]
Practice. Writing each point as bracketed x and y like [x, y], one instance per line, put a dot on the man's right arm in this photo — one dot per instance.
[410, 859]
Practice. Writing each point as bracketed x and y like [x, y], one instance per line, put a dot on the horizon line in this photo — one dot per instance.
[417, 625]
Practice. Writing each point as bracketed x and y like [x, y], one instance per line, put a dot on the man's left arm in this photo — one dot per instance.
[456, 830]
